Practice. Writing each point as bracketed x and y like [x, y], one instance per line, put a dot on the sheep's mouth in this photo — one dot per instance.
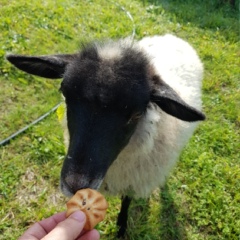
[73, 183]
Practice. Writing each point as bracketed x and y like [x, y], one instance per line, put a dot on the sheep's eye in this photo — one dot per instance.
[136, 116]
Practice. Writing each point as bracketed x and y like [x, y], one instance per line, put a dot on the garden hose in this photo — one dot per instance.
[8, 139]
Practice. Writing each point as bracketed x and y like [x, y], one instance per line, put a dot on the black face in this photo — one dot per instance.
[96, 138]
[103, 109]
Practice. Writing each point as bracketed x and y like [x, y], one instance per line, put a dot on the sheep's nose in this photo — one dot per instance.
[74, 182]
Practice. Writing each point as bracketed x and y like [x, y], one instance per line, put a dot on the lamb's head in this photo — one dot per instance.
[107, 90]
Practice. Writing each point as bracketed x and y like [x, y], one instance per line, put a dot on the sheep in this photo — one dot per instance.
[131, 106]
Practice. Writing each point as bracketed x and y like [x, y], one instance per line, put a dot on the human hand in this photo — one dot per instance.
[58, 227]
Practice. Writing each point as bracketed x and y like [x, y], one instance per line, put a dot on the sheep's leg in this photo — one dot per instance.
[123, 216]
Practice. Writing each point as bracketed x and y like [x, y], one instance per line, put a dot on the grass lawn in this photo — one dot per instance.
[201, 199]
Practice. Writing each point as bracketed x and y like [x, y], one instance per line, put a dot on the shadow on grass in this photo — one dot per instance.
[138, 226]
[166, 226]
[171, 228]
[218, 15]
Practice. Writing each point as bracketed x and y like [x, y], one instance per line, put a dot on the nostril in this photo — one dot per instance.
[65, 188]
[91, 181]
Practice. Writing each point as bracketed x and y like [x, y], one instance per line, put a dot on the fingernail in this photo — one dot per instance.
[79, 216]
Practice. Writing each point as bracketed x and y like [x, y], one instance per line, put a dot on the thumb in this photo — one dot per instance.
[69, 229]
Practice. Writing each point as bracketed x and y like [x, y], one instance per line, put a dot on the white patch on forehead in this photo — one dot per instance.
[114, 50]
[110, 52]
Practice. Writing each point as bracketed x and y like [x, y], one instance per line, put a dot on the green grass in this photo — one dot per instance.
[201, 199]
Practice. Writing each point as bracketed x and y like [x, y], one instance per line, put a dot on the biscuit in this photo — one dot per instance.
[92, 203]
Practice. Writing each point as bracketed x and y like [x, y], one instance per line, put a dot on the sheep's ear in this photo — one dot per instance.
[52, 66]
[170, 102]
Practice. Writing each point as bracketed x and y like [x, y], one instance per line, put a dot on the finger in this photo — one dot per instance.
[91, 235]
[35, 232]
[42, 228]
[68, 229]
[50, 223]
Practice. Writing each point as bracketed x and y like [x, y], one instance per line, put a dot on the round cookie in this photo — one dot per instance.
[92, 203]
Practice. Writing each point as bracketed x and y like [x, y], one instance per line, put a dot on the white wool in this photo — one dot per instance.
[154, 148]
